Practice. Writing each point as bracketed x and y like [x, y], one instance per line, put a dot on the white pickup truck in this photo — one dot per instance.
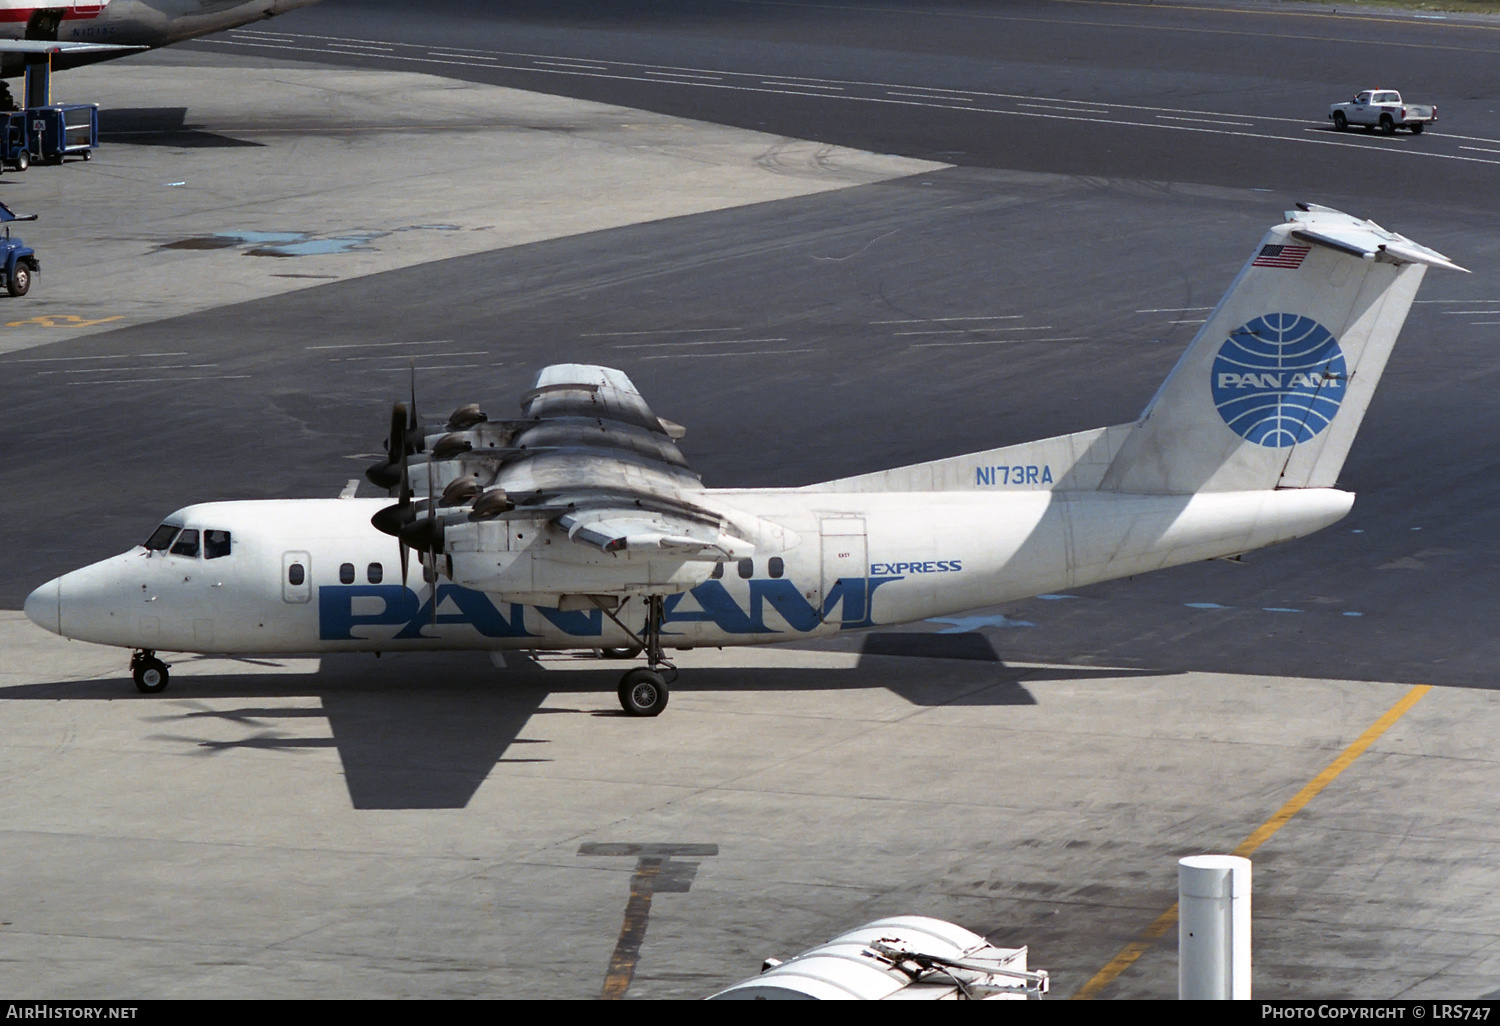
[1383, 109]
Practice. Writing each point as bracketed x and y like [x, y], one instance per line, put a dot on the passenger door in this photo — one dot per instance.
[296, 577]
[845, 560]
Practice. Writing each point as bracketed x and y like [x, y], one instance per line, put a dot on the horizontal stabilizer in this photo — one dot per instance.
[1324, 226]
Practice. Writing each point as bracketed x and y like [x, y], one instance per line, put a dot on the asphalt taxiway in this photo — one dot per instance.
[231, 295]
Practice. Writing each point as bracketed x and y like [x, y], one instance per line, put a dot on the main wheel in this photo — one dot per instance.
[643, 692]
[1417, 128]
[1387, 126]
[150, 675]
[23, 161]
[623, 652]
[20, 280]
[1340, 123]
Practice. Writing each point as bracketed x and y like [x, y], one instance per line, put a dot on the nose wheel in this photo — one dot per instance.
[150, 673]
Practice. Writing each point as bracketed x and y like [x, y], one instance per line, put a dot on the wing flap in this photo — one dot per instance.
[629, 530]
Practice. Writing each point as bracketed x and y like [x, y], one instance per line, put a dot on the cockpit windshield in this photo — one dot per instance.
[215, 544]
[162, 537]
[186, 543]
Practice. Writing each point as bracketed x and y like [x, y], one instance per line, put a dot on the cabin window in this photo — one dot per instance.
[215, 544]
[775, 567]
[374, 573]
[295, 575]
[162, 537]
[186, 544]
[718, 571]
[747, 568]
[346, 573]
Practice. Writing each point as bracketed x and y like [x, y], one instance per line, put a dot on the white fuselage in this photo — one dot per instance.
[850, 560]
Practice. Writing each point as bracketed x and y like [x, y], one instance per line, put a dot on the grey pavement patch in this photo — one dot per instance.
[150, 842]
[657, 871]
[516, 168]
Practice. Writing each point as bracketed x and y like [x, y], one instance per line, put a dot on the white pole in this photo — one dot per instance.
[1213, 928]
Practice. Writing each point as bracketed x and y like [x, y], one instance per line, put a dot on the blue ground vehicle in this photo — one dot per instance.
[15, 144]
[18, 261]
[48, 134]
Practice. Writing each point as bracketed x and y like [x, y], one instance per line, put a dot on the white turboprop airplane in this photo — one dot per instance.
[76, 32]
[580, 525]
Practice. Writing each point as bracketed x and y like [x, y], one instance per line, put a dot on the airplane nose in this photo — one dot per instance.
[43, 607]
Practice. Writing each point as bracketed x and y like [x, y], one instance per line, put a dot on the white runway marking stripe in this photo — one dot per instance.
[402, 356]
[143, 381]
[944, 320]
[1070, 110]
[685, 74]
[116, 370]
[997, 342]
[433, 366]
[654, 331]
[377, 345]
[802, 85]
[709, 356]
[1211, 121]
[924, 96]
[970, 331]
[713, 342]
[112, 356]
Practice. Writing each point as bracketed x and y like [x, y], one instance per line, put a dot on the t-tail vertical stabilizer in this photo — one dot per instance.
[1272, 390]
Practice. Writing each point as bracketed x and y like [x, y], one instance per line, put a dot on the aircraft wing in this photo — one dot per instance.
[586, 430]
[52, 46]
[592, 456]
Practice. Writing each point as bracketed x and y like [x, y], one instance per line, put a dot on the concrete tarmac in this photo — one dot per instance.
[413, 826]
[418, 827]
[323, 171]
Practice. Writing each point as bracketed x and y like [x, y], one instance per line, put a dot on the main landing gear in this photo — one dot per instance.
[150, 673]
[643, 690]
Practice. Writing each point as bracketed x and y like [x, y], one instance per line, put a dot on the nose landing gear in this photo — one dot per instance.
[149, 672]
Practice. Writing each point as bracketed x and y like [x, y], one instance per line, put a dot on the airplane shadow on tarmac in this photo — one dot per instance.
[424, 730]
[160, 126]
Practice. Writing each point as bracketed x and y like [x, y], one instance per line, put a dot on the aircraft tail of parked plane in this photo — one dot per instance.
[580, 524]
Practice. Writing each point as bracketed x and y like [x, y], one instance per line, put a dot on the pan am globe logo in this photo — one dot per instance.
[1279, 380]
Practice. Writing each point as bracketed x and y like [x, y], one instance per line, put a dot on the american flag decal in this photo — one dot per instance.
[1289, 257]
